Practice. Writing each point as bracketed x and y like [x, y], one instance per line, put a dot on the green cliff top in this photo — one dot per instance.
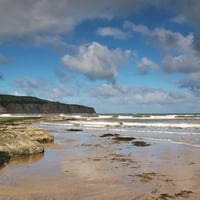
[6, 99]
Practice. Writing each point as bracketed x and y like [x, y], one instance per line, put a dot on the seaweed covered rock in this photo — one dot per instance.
[4, 157]
[141, 144]
[16, 145]
[22, 139]
[31, 132]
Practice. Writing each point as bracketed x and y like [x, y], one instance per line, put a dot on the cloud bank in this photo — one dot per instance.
[44, 16]
[143, 99]
[180, 53]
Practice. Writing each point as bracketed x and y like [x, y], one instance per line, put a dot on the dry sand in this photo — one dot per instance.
[87, 167]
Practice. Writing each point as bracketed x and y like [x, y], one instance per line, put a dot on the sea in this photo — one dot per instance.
[176, 128]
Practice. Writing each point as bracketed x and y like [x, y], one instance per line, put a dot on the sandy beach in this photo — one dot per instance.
[88, 166]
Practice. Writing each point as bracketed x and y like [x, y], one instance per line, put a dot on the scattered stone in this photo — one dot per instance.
[95, 159]
[4, 157]
[141, 144]
[168, 180]
[74, 129]
[117, 155]
[124, 138]
[109, 135]
[90, 145]
[166, 196]
[144, 177]
[184, 193]
[122, 159]
[192, 163]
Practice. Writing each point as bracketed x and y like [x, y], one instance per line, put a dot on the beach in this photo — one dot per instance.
[110, 157]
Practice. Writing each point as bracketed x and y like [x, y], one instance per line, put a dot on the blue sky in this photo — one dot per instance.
[118, 56]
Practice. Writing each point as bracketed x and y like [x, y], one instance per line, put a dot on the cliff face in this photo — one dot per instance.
[15, 104]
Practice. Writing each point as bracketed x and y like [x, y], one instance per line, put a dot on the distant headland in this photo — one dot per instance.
[29, 104]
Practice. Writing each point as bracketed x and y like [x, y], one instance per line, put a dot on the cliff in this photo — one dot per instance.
[27, 104]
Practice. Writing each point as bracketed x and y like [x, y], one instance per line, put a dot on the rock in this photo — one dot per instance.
[141, 144]
[184, 193]
[32, 132]
[22, 139]
[16, 145]
[4, 157]
[109, 135]
[74, 129]
[124, 138]
[36, 134]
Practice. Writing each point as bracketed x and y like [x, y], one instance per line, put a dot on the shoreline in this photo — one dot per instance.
[83, 165]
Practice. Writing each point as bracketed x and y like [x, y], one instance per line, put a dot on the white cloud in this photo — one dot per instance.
[190, 9]
[179, 19]
[22, 18]
[146, 63]
[144, 99]
[113, 32]
[60, 92]
[43, 89]
[179, 51]
[184, 63]
[109, 91]
[28, 84]
[164, 38]
[96, 61]
[48, 40]
[141, 95]
[191, 81]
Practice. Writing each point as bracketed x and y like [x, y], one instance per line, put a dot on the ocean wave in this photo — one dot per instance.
[99, 124]
[167, 125]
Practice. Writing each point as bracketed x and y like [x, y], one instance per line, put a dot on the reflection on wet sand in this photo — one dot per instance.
[84, 166]
[26, 159]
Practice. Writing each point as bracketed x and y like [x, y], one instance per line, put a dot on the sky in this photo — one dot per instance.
[118, 56]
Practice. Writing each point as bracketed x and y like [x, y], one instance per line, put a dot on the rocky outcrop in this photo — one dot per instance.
[26, 131]
[19, 140]
[19, 145]
[26, 104]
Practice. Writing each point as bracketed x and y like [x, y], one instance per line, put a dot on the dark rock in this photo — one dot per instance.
[184, 193]
[141, 144]
[109, 135]
[4, 157]
[124, 138]
[74, 129]
[166, 196]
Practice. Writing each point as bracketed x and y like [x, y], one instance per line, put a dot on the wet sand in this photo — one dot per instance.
[86, 166]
